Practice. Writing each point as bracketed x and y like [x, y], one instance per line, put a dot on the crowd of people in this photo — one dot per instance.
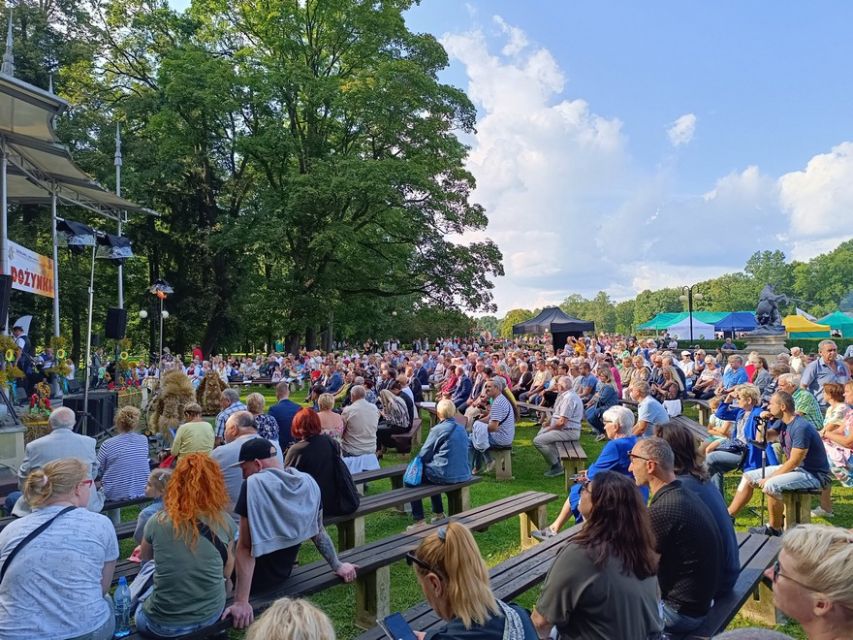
[233, 502]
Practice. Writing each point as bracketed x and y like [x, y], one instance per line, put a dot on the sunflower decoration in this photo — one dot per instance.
[59, 344]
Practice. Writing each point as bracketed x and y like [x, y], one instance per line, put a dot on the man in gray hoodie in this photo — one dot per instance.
[279, 509]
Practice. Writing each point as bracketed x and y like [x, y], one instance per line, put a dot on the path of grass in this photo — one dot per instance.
[500, 541]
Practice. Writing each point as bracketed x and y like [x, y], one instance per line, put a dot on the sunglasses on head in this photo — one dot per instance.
[412, 559]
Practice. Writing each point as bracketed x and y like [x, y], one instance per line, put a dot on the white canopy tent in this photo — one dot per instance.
[701, 330]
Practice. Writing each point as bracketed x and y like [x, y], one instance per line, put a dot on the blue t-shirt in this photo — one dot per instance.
[801, 434]
[734, 377]
[653, 413]
[283, 412]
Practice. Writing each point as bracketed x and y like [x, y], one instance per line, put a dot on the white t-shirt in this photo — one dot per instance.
[52, 588]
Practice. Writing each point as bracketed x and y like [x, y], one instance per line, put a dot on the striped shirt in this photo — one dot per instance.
[223, 416]
[501, 412]
[123, 460]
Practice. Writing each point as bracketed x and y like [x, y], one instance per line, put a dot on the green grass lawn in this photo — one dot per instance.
[500, 541]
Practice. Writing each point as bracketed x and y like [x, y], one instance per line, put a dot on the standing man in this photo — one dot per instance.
[283, 412]
[230, 404]
[688, 539]
[806, 466]
[828, 367]
[565, 425]
[361, 420]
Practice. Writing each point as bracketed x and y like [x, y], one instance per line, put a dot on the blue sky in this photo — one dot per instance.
[626, 145]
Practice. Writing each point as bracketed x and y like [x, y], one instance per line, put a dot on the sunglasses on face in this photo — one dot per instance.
[633, 455]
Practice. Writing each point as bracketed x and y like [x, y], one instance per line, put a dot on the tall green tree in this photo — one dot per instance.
[514, 316]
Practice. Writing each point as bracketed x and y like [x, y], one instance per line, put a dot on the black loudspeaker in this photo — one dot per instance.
[116, 323]
[102, 409]
[5, 293]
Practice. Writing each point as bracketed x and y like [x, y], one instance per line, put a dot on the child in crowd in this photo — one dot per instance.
[156, 487]
[718, 429]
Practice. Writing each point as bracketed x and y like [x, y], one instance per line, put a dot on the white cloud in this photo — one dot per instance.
[819, 201]
[681, 131]
[572, 212]
[517, 38]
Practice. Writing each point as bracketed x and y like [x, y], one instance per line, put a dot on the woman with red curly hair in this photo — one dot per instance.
[318, 455]
[192, 544]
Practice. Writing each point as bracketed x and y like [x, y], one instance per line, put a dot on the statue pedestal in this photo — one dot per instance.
[768, 345]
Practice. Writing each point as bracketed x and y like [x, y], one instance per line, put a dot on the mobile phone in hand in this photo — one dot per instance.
[396, 628]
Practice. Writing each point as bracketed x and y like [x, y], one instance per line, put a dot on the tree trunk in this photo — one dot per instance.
[311, 338]
[291, 343]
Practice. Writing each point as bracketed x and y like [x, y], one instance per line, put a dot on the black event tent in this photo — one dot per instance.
[560, 324]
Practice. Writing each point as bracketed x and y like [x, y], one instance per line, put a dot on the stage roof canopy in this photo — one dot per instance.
[39, 164]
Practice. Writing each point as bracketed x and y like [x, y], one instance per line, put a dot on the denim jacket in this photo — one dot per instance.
[445, 453]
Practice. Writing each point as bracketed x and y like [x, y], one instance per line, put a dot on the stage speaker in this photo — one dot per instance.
[5, 293]
[116, 323]
[102, 409]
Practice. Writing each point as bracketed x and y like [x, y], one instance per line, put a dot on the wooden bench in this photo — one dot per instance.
[503, 461]
[403, 441]
[521, 573]
[545, 411]
[351, 527]
[699, 432]
[573, 459]
[704, 409]
[752, 595]
[374, 560]
[797, 507]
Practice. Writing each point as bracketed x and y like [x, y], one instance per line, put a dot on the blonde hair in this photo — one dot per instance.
[57, 478]
[749, 391]
[445, 409]
[326, 401]
[159, 479]
[290, 619]
[824, 557]
[127, 419]
[255, 402]
[453, 552]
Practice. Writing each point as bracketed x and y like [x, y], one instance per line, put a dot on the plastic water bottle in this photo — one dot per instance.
[121, 600]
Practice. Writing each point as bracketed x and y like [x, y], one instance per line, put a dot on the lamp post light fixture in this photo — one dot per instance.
[161, 289]
[688, 296]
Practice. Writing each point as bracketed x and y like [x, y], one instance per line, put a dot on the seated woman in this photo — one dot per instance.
[317, 455]
[290, 619]
[837, 437]
[444, 456]
[618, 422]
[192, 544]
[123, 459]
[729, 454]
[158, 480]
[603, 584]
[395, 420]
[811, 579]
[604, 398]
[331, 423]
[266, 425]
[708, 380]
[762, 377]
[455, 583]
[57, 584]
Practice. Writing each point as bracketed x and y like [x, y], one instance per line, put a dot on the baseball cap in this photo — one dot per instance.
[255, 449]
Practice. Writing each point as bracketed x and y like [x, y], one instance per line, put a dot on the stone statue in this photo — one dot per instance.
[767, 312]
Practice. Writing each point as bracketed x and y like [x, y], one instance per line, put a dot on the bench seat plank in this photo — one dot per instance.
[308, 579]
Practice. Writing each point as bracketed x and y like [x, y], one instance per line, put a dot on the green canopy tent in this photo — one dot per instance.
[839, 321]
[662, 321]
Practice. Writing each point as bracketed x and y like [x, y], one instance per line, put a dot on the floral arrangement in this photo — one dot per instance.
[40, 400]
[8, 370]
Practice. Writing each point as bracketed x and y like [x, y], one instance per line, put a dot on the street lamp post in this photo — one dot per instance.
[688, 296]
